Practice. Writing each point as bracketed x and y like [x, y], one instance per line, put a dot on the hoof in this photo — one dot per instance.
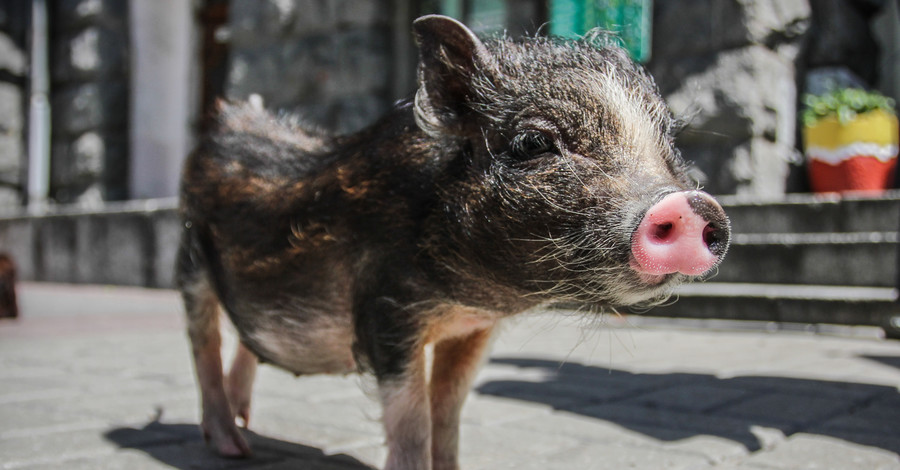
[227, 443]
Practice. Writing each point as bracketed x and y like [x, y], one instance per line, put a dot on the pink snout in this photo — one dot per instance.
[686, 232]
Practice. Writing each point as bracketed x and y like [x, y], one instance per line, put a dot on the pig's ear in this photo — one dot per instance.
[451, 60]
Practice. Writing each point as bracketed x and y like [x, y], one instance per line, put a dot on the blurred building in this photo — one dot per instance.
[131, 81]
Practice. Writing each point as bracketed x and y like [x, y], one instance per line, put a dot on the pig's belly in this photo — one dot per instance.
[302, 342]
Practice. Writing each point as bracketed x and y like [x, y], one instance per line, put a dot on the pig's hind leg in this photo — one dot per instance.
[202, 308]
[218, 424]
[240, 383]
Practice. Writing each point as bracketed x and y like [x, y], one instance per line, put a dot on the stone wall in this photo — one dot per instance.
[14, 19]
[328, 60]
[131, 243]
[728, 70]
[734, 70]
[89, 99]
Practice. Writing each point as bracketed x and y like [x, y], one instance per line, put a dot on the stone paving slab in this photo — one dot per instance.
[100, 378]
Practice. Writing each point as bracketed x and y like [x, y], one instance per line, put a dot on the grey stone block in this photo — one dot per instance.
[167, 235]
[17, 237]
[807, 216]
[130, 256]
[78, 160]
[112, 249]
[12, 156]
[802, 213]
[89, 106]
[93, 159]
[857, 259]
[732, 81]
[90, 53]
[56, 249]
[11, 197]
[719, 25]
[89, 68]
[783, 304]
[119, 245]
[12, 56]
[12, 116]
[76, 13]
[736, 93]
[740, 108]
[757, 167]
[92, 251]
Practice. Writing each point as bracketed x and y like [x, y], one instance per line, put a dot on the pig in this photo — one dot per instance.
[9, 306]
[522, 173]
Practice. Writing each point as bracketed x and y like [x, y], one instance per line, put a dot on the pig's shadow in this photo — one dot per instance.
[181, 446]
[676, 406]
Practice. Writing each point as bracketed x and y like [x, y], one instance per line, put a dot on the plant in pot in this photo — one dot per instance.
[850, 136]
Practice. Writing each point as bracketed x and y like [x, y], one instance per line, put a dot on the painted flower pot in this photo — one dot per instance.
[859, 155]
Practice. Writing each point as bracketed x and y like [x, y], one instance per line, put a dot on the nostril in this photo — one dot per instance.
[715, 238]
[663, 232]
[711, 236]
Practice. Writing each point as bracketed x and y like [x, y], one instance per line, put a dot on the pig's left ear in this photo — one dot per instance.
[451, 60]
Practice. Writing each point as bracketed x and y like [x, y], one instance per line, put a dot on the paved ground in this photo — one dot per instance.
[100, 378]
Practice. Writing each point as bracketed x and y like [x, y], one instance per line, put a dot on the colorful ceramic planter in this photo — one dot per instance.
[859, 155]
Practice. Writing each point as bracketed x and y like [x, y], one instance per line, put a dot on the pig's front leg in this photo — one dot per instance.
[407, 419]
[456, 362]
[390, 337]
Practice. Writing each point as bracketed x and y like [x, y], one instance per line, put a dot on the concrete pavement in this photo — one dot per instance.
[100, 378]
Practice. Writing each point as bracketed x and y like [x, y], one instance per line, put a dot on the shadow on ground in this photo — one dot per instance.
[181, 446]
[677, 406]
[893, 361]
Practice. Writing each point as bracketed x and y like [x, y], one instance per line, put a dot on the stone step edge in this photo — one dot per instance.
[786, 304]
[800, 199]
[737, 290]
[814, 238]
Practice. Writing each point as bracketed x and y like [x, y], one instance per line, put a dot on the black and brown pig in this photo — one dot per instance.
[522, 173]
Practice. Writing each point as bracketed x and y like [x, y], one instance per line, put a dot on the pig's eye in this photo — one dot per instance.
[530, 144]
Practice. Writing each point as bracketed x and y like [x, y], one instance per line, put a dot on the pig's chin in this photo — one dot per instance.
[647, 278]
[648, 289]
[652, 279]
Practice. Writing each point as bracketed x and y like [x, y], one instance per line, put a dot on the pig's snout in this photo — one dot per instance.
[686, 232]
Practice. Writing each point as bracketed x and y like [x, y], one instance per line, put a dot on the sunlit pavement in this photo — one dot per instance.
[101, 378]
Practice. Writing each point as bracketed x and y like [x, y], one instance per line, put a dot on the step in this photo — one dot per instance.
[841, 305]
[859, 259]
[805, 213]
